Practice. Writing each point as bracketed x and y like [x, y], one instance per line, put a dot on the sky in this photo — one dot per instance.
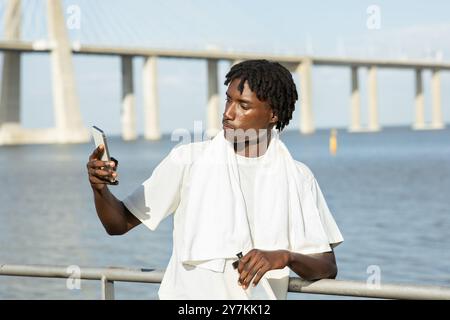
[401, 30]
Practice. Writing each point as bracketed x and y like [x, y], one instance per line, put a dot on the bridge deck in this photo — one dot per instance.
[39, 47]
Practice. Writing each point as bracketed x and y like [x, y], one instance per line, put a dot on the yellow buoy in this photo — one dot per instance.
[333, 142]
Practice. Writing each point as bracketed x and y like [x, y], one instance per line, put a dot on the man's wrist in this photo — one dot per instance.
[287, 257]
[99, 191]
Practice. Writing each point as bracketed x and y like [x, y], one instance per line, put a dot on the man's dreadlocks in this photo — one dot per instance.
[271, 82]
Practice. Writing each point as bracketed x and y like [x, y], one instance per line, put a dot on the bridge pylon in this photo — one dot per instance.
[69, 126]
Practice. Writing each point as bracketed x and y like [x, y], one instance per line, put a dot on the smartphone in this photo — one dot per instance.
[100, 138]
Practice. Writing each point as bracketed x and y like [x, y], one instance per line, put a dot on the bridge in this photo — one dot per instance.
[69, 127]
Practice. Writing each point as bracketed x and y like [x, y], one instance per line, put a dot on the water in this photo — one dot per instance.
[388, 192]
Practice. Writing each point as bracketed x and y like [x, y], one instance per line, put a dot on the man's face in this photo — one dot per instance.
[245, 113]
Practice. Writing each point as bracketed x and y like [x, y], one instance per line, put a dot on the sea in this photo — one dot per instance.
[389, 193]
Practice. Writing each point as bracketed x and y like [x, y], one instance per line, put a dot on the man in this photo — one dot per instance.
[240, 191]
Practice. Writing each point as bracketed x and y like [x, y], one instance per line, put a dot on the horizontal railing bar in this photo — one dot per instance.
[362, 289]
[324, 286]
[111, 273]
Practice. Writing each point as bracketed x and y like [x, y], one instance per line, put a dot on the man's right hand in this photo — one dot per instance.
[101, 173]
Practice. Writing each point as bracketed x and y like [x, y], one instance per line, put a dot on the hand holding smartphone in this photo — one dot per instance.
[100, 139]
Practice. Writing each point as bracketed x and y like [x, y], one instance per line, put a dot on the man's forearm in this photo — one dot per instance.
[313, 267]
[110, 212]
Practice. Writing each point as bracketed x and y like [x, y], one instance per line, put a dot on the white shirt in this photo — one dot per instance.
[247, 172]
[167, 191]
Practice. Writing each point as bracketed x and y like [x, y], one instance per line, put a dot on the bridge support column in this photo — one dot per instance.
[213, 109]
[306, 114]
[10, 82]
[437, 121]
[128, 112]
[373, 100]
[419, 101]
[151, 101]
[69, 125]
[355, 102]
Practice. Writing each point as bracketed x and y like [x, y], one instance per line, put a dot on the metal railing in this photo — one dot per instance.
[107, 276]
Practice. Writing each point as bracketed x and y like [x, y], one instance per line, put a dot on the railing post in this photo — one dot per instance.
[107, 289]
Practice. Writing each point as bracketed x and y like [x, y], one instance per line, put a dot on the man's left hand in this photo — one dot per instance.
[257, 262]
